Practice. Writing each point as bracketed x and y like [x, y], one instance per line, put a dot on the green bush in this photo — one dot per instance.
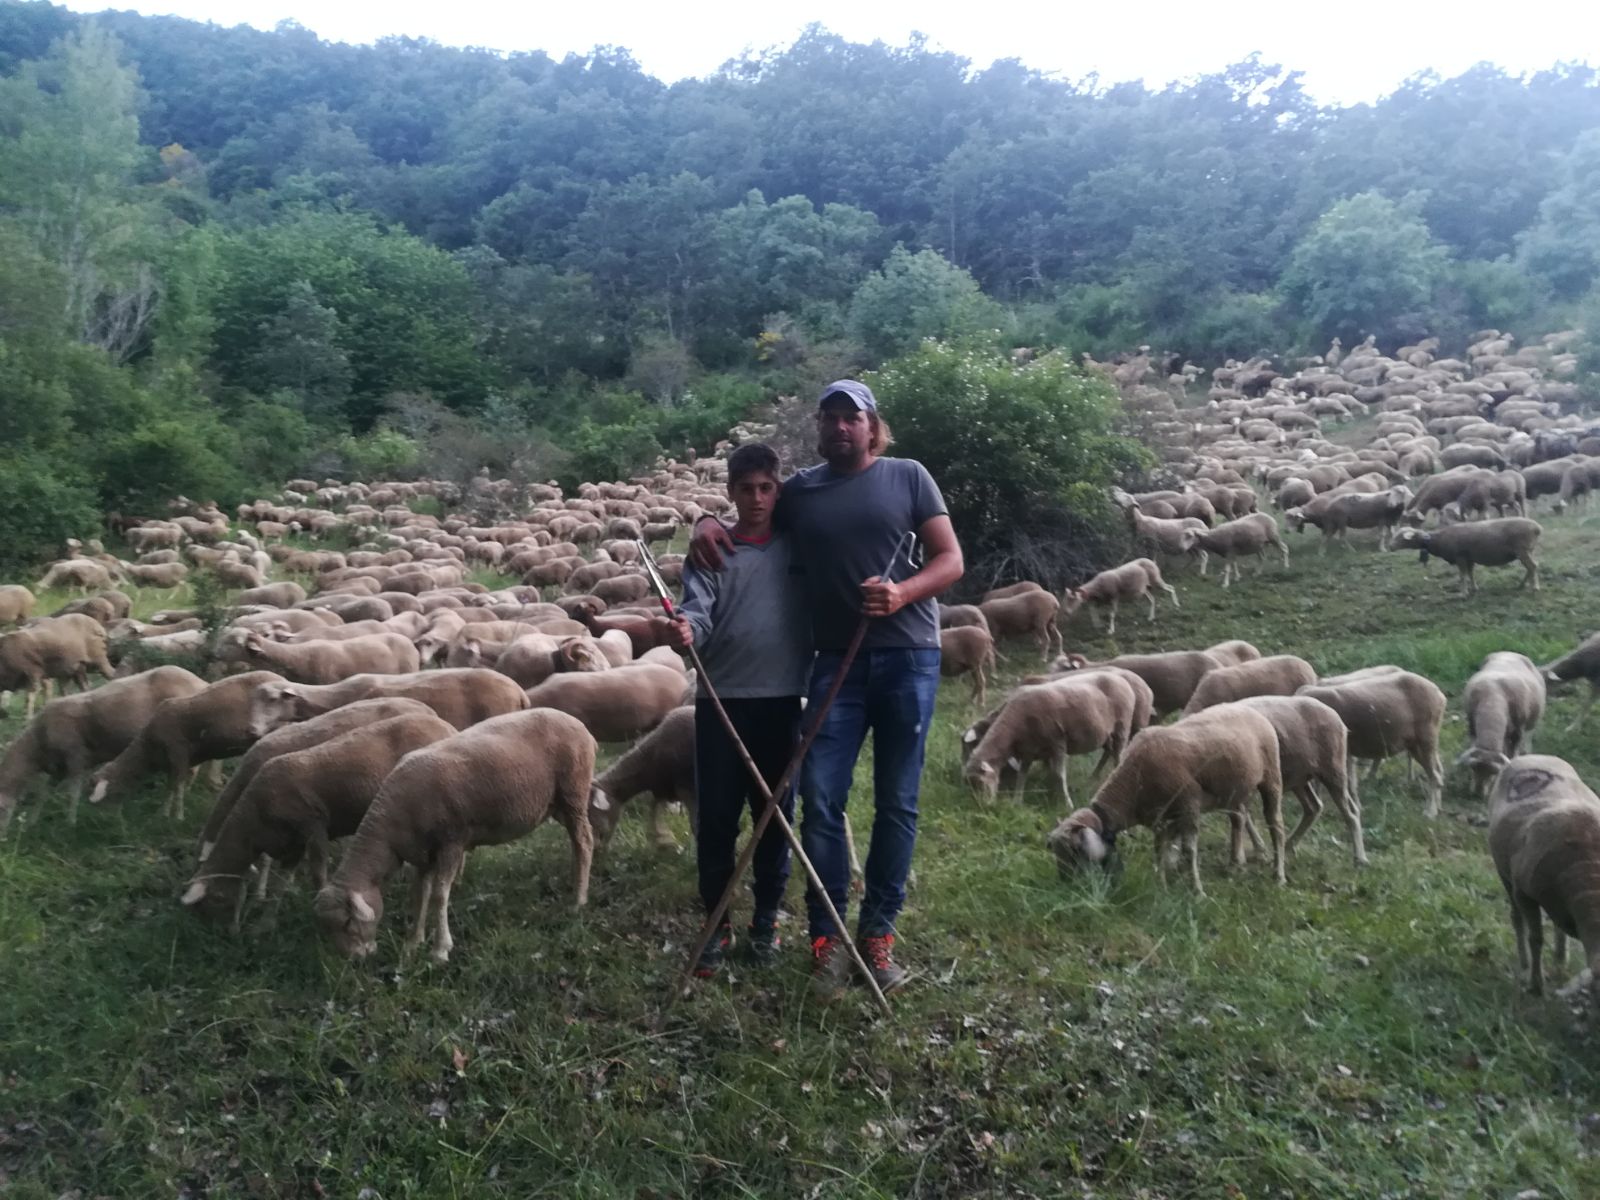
[42, 503]
[1023, 455]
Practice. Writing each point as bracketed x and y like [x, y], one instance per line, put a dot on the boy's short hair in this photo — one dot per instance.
[752, 458]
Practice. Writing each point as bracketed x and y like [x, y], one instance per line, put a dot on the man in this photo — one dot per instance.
[846, 516]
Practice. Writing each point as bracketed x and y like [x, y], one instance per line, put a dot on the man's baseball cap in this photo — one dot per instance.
[856, 392]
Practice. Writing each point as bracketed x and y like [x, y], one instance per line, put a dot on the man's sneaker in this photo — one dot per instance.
[878, 950]
[710, 960]
[762, 941]
[830, 968]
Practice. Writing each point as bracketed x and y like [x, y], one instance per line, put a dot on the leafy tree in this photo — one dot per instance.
[300, 354]
[918, 296]
[1015, 452]
[404, 307]
[1563, 246]
[69, 144]
[1366, 263]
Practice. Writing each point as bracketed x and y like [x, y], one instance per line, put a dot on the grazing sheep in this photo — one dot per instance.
[1131, 581]
[297, 802]
[661, 763]
[463, 697]
[157, 575]
[493, 783]
[16, 604]
[53, 648]
[75, 733]
[275, 595]
[300, 736]
[1028, 612]
[1313, 747]
[1279, 675]
[614, 705]
[1483, 544]
[1387, 712]
[1172, 677]
[1503, 703]
[1544, 838]
[967, 649]
[324, 661]
[1170, 775]
[1240, 538]
[1050, 722]
[1583, 662]
[1353, 510]
[204, 726]
[80, 574]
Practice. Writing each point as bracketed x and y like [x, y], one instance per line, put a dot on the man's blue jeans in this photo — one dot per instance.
[890, 692]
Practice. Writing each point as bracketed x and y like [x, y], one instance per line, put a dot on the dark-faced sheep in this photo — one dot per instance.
[1582, 662]
[1480, 544]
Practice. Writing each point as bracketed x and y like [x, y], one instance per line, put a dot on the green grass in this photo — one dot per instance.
[1354, 1035]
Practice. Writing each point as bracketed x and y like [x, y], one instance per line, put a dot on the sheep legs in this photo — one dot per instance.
[1583, 715]
[1532, 577]
[1310, 810]
[1528, 923]
[445, 870]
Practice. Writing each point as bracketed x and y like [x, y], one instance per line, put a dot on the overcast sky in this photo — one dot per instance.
[1350, 50]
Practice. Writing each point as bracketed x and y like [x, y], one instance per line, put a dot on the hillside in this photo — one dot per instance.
[1356, 1034]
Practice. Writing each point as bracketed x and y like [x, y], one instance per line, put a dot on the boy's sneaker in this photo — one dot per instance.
[710, 960]
[878, 950]
[762, 941]
[830, 968]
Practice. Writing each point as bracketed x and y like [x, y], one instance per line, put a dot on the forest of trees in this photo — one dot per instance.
[228, 256]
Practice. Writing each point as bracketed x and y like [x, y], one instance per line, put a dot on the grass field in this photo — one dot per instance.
[1355, 1035]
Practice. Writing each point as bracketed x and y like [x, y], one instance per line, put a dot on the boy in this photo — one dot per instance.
[749, 621]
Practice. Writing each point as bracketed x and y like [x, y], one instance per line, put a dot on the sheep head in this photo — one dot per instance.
[350, 918]
[273, 705]
[1079, 841]
[603, 814]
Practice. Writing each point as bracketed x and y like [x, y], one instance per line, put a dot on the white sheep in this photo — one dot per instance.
[1131, 581]
[493, 783]
[1168, 777]
[1503, 702]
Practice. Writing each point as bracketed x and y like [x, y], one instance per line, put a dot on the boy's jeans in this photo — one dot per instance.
[890, 692]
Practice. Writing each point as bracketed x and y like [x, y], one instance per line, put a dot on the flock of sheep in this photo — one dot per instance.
[381, 695]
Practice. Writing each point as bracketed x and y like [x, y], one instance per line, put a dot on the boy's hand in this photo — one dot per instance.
[679, 633]
[709, 541]
[881, 597]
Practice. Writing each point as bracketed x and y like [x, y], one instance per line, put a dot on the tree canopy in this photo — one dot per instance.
[276, 244]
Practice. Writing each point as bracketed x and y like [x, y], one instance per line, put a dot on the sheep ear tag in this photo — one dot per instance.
[360, 907]
[969, 737]
[195, 894]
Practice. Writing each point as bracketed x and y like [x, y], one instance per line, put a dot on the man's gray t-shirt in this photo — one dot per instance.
[749, 620]
[845, 527]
